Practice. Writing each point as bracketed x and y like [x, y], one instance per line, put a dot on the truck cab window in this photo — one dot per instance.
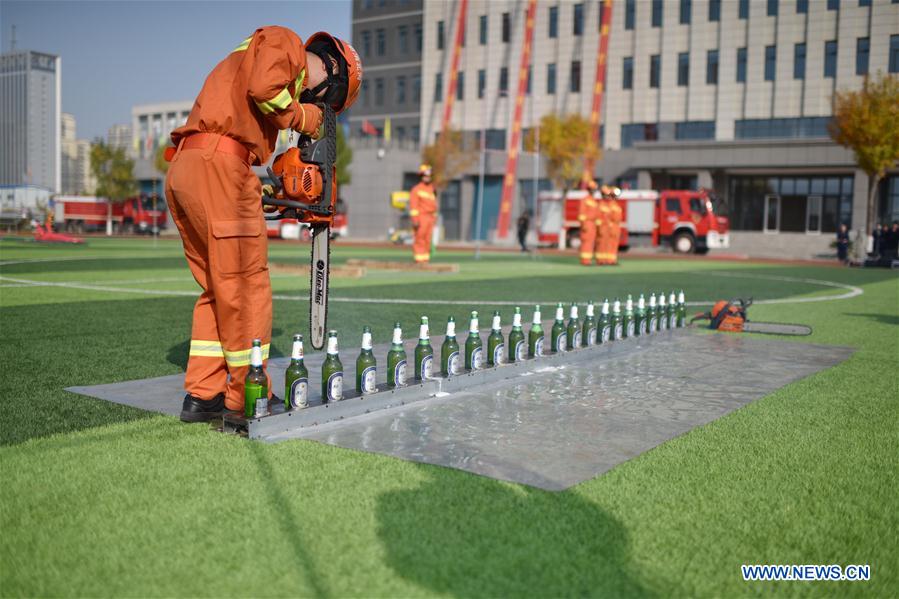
[672, 205]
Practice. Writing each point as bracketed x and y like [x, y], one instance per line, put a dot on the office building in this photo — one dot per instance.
[119, 136]
[77, 177]
[151, 125]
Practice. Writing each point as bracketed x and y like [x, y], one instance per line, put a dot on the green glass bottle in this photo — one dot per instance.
[332, 372]
[617, 322]
[396, 359]
[255, 386]
[495, 345]
[651, 315]
[424, 353]
[588, 335]
[474, 347]
[366, 366]
[605, 323]
[517, 345]
[662, 312]
[535, 335]
[672, 310]
[450, 360]
[559, 334]
[681, 309]
[640, 319]
[574, 329]
[296, 378]
[628, 320]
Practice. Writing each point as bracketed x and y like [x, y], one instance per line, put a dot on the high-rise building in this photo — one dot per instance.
[119, 136]
[30, 119]
[151, 125]
[75, 157]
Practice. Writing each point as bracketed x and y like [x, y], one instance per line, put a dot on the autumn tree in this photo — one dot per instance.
[566, 143]
[114, 173]
[867, 122]
[344, 158]
[448, 158]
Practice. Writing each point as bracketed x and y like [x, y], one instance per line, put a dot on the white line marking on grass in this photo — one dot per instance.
[852, 290]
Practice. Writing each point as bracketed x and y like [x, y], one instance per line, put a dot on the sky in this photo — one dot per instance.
[119, 53]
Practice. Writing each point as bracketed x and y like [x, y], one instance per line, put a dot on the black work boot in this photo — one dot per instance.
[195, 409]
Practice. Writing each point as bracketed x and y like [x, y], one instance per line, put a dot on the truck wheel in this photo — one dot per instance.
[683, 243]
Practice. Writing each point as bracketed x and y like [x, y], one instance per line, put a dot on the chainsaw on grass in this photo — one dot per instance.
[304, 187]
[731, 316]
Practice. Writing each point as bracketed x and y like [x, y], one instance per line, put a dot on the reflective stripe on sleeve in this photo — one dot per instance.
[243, 45]
[279, 102]
[206, 349]
[413, 213]
[236, 359]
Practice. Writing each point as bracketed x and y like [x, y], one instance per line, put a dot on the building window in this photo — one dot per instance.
[772, 8]
[415, 132]
[400, 90]
[364, 88]
[574, 82]
[440, 39]
[864, 2]
[862, 50]
[741, 65]
[655, 68]
[482, 30]
[551, 78]
[438, 87]
[638, 132]
[656, 15]
[460, 86]
[403, 37]
[627, 73]
[578, 21]
[629, 10]
[894, 53]
[686, 10]
[419, 38]
[381, 42]
[507, 28]
[799, 61]
[711, 67]
[683, 69]
[743, 9]
[379, 92]
[482, 83]
[801, 127]
[801, 7]
[553, 21]
[401, 133]
[770, 62]
[830, 59]
[366, 44]
[495, 139]
[714, 10]
[504, 81]
[798, 204]
[694, 130]
[833, 4]
[416, 88]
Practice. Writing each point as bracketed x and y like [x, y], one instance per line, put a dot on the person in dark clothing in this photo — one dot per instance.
[524, 223]
[891, 242]
[877, 237]
[843, 244]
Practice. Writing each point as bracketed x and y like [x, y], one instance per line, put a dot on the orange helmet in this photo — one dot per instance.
[424, 170]
[343, 86]
[605, 190]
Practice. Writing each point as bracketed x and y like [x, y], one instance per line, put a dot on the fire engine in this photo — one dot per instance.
[685, 220]
[81, 214]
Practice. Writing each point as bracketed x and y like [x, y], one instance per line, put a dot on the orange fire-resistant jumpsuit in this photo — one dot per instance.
[423, 212]
[215, 201]
[615, 213]
[587, 215]
[603, 222]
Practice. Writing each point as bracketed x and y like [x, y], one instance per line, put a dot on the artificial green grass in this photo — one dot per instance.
[103, 500]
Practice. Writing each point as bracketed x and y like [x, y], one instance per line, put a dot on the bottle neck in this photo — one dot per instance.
[366, 341]
[297, 351]
[397, 336]
[516, 321]
[332, 346]
[451, 329]
[537, 318]
[589, 310]
[473, 326]
[560, 314]
[256, 357]
[495, 326]
[423, 334]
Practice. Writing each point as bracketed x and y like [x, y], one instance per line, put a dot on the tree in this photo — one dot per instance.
[566, 142]
[114, 173]
[448, 158]
[344, 158]
[867, 122]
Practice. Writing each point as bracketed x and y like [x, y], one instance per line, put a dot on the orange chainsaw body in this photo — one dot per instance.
[302, 182]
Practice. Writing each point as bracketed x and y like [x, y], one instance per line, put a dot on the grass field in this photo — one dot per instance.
[104, 500]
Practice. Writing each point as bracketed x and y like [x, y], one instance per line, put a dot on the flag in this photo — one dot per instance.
[368, 128]
[135, 143]
[387, 130]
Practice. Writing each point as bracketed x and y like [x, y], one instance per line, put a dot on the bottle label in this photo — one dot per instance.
[477, 358]
[561, 342]
[299, 393]
[498, 353]
[576, 340]
[369, 379]
[652, 325]
[538, 347]
[454, 363]
[606, 333]
[630, 328]
[591, 336]
[672, 321]
[399, 374]
[619, 330]
[520, 350]
[261, 406]
[426, 367]
[335, 386]
[663, 322]
[643, 325]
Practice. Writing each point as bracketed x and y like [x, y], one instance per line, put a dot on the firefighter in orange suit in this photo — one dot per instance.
[587, 217]
[603, 222]
[269, 82]
[423, 212]
[615, 213]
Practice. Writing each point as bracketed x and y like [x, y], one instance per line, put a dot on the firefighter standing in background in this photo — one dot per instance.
[615, 213]
[423, 212]
[603, 221]
[587, 215]
[270, 82]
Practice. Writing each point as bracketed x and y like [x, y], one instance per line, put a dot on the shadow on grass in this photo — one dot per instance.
[889, 319]
[467, 535]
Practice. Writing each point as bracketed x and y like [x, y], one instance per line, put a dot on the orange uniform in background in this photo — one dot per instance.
[214, 199]
[615, 213]
[587, 215]
[603, 232]
[423, 212]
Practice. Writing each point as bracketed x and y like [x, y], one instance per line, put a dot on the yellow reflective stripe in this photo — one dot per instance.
[204, 348]
[427, 194]
[242, 357]
[582, 217]
[587, 255]
[422, 256]
[413, 213]
[279, 102]
[298, 84]
[243, 45]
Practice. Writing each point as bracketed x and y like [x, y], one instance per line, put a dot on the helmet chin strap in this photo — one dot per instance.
[333, 84]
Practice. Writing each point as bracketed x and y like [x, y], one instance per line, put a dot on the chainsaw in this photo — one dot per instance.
[732, 317]
[304, 187]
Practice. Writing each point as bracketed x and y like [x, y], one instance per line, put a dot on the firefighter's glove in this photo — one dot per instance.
[268, 191]
[308, 119]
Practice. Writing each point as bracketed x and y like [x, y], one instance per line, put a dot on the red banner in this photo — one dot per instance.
[602, 54]
[454, 66]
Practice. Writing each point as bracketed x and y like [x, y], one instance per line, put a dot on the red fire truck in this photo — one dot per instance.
[685, 220]
[81, 214]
